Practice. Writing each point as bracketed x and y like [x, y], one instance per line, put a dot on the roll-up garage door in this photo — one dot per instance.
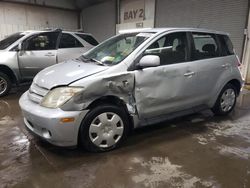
[223, 15]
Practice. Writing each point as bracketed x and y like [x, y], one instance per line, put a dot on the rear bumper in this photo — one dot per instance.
[46, 123]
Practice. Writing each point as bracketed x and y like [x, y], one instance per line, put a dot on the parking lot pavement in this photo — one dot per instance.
[199, 150]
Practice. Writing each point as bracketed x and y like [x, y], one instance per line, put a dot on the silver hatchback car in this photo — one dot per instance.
[132, 80]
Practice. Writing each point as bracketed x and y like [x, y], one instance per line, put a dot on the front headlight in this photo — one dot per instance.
[58, 96]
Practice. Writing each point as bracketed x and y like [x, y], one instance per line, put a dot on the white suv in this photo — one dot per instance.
[24, 54]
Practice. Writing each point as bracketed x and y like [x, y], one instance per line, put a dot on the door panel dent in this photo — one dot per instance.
[164, 89]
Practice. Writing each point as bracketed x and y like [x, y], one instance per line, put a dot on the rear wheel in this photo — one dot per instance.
[5, 84]
[104, 128]
[226, 100]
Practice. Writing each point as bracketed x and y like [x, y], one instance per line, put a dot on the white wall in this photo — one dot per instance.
[100, 20]
[19, 17]
[66, 4]
[149, 15]
[149, 7]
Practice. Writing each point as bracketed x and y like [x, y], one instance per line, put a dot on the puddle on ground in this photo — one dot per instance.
[160, 171]
[83, 176]
[4, 109]
[243, 153]
[15, 156]
[237, 129]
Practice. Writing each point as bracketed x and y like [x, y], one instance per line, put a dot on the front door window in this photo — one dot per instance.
[171, 48]
[43, 41]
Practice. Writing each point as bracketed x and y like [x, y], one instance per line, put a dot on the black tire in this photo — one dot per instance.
[7, 88]
[84, 135]
[217, 108]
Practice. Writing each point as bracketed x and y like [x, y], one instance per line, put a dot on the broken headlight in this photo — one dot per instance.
[59, 96]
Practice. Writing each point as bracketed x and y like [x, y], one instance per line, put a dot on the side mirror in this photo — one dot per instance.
[20, 47]
[149, 61]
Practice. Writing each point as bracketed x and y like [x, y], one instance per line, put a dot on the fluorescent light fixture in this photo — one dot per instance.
[132, 30]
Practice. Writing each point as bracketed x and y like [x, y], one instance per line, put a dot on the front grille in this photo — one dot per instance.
[36, 93]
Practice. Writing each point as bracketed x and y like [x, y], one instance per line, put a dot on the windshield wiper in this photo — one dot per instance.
[84, 58]
[97, 61]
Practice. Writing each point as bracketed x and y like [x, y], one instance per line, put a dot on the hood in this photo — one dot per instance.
[66, 73]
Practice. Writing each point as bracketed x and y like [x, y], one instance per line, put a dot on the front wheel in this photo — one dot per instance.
[5, 84]
[226, 100]
[104, 128]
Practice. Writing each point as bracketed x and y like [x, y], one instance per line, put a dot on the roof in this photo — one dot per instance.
[48, 30]
[159, 30]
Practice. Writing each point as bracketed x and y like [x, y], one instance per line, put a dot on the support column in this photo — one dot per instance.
[246, 56]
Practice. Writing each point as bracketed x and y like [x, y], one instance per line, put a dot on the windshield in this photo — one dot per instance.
[114, 50]
[5, 43]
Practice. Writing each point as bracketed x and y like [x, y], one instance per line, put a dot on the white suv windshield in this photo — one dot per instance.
[5, 43]
[114, 50]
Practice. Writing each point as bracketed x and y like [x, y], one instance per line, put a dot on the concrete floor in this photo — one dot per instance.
[194, 151]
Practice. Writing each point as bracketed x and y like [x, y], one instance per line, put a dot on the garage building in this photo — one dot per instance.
[223, 15]
[50, 128]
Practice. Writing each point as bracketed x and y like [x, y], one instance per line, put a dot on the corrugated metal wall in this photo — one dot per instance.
[100, 20]
[18, 17]
[224, 15]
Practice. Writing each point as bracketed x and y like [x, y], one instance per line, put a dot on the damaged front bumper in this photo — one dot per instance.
[46, 123]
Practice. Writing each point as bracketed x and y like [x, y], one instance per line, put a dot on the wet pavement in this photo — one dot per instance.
[199, 150]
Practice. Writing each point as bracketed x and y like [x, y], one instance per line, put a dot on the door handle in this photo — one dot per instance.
[49, 54]
[225, 65]
[189, 74]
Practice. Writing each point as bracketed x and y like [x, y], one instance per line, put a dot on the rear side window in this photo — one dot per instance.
[205, 46]
[226, 45]
[88, 38]
[69, 41]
